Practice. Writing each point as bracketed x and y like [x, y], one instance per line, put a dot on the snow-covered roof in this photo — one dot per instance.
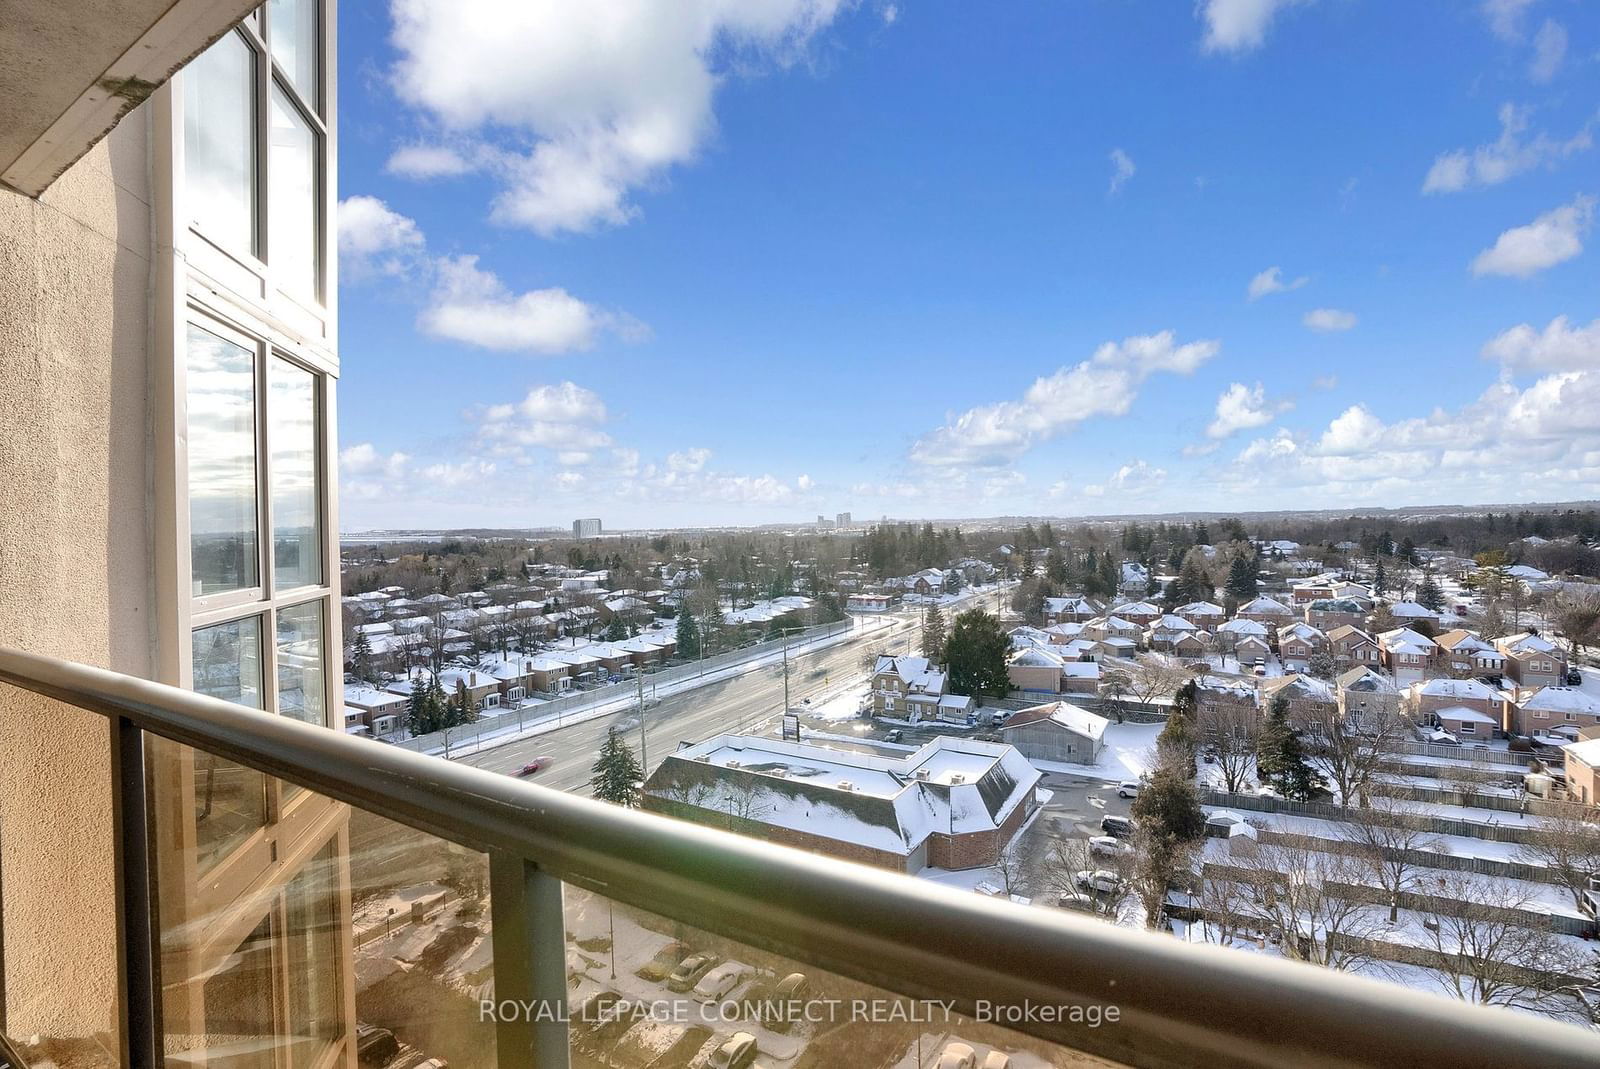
[362, 695]
[1564, 700]
[1587, 751]
[1300, 630]
[1524, 642]
[1201, 608]
[914, 671]
[1344, 605]
[1171, 622]
[1266, 606]
[1410, 610]
[1073, 717]
[1527, 572]
[1462, 640]
[1036, 657]
[1405, 640]
[1456, 689]
[1135, 608]
[1462, 713]
[1244, 627]
[1296, 685]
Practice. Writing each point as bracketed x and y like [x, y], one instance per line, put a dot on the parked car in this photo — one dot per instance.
[666, 959]
[894, 735]
[1128, 788]
[1574, 677]
[1097, 881]
[375, 1046]
[737, 1052]
[957, 1056]
[1108, 846]
[689, 971]
[718, 983]
[1076, 900]
[1121, 827]
[1000, 717]
[538, 764]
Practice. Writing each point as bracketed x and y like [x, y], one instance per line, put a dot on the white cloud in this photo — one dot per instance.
[1104, 385]
[574, 458]
[1324, 382]
[589, 99]
[473, 306]
[1553, 238]
[1549, 49]
[564, 417]
[806, 482]
[1135, 479]
[1559, 347]
[375, 238]
[1329, 319]
[1507, 157]
[1271, 281]
[1238, 25]
[428, 161]
[363, 459]
[1505, 17]
[1241, 407]
[1122, 169]
[459, 474]
[890, 13]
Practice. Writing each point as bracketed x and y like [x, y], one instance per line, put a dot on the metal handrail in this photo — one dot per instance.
[1179, 1004]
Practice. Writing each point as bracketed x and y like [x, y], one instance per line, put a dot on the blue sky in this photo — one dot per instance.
[743, 261]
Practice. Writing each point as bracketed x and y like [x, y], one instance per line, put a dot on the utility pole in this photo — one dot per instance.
[644, 759]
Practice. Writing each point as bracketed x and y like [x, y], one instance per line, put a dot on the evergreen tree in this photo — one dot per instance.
[1280, 755]
[976, 655]
[1176, 745]
[438, 704]
[615, 631]
[616, 773]
[361, 658]
[1429, 596]
[462, 710]
[688, 635]
[1241, 584]
[933, 635]
[1380, 580]
[419, 714]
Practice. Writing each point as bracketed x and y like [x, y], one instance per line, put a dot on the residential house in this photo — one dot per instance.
[868, 602]
[1218, 697]
[1310, 699]
[1365, 695]
[1135, 579]
[1434, 695]
[1297, 642]
[1533, 660]
[1553, 710]
[1070, 610]
[1251, 649]
[1080, 677]
[1035, 670]
[1116, 646]
[1206, 615]
[1462, 653]
[1056, 731]
[903, 686]
[1417, 617]
[380, 712]
[1408, 655]
[1582, 763]
[1141, 613]
[1166, 630]
[1266, 611]
[1352, 646]
[548, 675]
[1103, 627]
[1062, 633]
[1465, 722]
[1230, 633]
[1325, 614]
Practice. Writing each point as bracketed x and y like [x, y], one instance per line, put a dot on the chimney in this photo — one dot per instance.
[472, 679]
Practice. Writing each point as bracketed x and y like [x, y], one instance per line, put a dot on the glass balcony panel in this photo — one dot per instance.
[230, 801]
[222, 464]
[646, 991]
[301, 694]
[292, 435]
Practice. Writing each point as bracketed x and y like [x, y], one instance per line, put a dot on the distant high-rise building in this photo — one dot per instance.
[586, 528]
[822, 521]
[842, 520]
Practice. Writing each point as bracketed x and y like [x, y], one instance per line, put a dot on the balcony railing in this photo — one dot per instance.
[1178, 1004]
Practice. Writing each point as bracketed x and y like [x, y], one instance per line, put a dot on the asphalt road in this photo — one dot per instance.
[750, 702]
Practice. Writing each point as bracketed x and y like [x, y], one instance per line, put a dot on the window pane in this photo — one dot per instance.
[222, 464]
[229, 800]
[292, 436]
[300, 692]
[219, 142]
[292, 189]
[294, 44]
[311, 916]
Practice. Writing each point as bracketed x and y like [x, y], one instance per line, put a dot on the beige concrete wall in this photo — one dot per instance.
[74, 560]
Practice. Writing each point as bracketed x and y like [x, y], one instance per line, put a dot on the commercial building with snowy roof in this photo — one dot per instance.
[953, 804]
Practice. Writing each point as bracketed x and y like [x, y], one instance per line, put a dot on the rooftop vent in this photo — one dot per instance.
[845, 785]
[920, 773]
[732, 764]
[956, 777]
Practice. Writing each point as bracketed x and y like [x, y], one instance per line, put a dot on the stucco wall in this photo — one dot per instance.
[74, 560]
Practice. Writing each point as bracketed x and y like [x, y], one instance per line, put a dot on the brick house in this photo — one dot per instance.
[1582, 762]
[1462, 653]
[1325, 614]
[1140, 613]
[1216, 697]
[1035, 670]
[1309, 698]
[1229, 634]
[1407, 654]
[1070, 610]
[896, 680]
[1205, 615]
[1434, 695]
[1550, 708]
[1353, 647]
[1364, 694]
[1415, 616]
[1533, 660]
[1251, 649]
[953, 804]
[1297, 642]
[1266, 611]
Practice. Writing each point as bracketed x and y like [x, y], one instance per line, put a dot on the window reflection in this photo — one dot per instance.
[316, 999]
[219, 145]
[292, 435]
[229, 799]
[292, 185]
[241, 1028]
[300, 690]
[294, 44]
[222, 464]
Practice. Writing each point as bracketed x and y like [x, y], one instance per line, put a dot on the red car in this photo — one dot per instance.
[538, 764]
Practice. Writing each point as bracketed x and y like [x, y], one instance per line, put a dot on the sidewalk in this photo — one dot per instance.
[613, 703]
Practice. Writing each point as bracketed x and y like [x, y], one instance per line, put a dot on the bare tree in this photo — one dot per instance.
[1115, 686]
[1229, 731]
[1156, 675]
[1487, 953]
[1070, 857]
[745, 801]
[1011, 870]
[1295, 892]
[1389, 836]
[1350, 751]
[1576, 615]
[1568, 848]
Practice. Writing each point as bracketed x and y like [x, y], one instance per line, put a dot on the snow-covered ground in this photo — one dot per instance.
[1128, 754]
